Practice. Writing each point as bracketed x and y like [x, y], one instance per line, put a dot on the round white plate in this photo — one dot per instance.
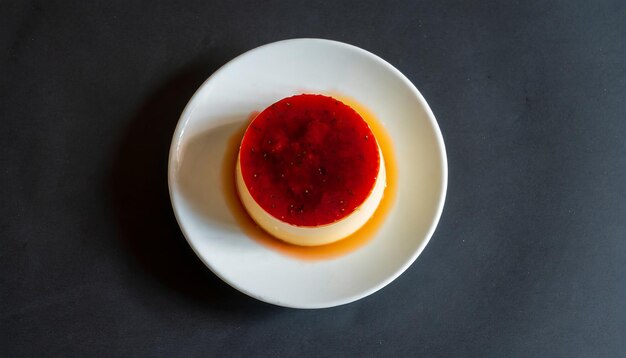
[259, 78]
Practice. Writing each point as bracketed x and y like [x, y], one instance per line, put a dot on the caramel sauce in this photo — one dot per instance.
[313, 253]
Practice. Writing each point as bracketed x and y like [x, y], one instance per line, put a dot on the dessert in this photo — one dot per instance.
[309, 170]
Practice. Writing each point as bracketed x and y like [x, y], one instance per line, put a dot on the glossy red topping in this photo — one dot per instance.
[309, 160]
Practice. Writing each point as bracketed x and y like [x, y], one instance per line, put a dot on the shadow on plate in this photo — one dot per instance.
[201, 172]
[140, 198]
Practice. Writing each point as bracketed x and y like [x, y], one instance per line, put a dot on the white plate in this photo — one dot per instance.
[259, 78]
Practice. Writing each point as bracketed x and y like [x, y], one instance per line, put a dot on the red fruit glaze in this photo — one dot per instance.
[309, 160]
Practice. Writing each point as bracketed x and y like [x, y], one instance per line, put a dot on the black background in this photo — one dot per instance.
[529, 256]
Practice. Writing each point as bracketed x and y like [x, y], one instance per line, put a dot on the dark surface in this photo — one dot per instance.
[529, 256]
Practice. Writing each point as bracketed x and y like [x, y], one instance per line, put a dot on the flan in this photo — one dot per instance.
[309, 170]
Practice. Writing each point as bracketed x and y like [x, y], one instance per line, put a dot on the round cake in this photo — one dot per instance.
[309, 170]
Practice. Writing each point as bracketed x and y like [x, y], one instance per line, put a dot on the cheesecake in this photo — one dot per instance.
[309, 170]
